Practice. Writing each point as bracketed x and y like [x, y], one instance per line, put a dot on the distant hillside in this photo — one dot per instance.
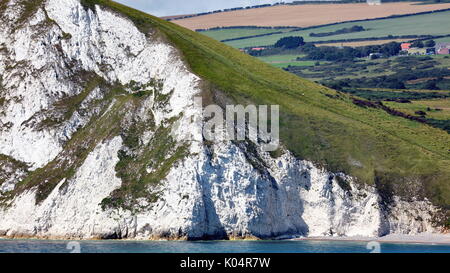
[304, 15]
[434, 24]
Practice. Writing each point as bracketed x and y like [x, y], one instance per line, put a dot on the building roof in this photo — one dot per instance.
[444, 51]
[406, 45]
[442, 45]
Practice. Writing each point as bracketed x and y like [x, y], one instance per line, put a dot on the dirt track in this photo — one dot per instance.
[304, 15]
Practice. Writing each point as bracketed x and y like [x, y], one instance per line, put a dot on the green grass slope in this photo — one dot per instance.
[397, 155]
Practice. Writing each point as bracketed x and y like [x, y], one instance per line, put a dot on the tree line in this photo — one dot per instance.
[339, 31]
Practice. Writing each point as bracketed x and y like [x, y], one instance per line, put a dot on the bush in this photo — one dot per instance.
[431, 85]
[339, 31]
[328, 53]
[430, 43]
[290, 42]
[418, 44]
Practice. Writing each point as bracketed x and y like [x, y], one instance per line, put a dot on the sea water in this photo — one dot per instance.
[287, 246]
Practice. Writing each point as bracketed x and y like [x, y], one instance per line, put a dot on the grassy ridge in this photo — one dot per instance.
[317, 123]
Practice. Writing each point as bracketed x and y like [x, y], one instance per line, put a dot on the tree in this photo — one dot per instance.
[391, 84]
[430, 43]
[431, 85]
[290, 42]
[418, 44]
[390, 49]
[356, 28]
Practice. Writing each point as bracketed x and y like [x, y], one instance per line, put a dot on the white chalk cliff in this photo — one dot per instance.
[214, 190]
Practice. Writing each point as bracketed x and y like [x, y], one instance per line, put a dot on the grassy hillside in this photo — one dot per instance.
[427, 24]
[317, 123]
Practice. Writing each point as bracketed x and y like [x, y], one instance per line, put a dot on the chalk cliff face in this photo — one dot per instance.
[100, 138]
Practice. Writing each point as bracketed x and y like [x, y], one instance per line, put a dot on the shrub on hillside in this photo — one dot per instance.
[290, 42]
[430, 43]
[339, 31]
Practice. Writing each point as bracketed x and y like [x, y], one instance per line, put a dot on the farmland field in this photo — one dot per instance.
[304, 15]
[407, 90]
[443, 40]
[437, 109]
[364, 68]
[424, 85]
[223, 34]
[282, 61]
[413, 77]
[364, 43]
[425, 24]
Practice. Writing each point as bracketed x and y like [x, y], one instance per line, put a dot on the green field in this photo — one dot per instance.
[223, 34]
[444, 60]
[443, 40]
[407, 90]
[364, 68]
[293, 63]
[280, 58]
[316, 123]
[436, 109]
[367, 68]
[283, 61]
[427, 24]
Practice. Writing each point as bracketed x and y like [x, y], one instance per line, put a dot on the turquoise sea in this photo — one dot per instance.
[52, 246]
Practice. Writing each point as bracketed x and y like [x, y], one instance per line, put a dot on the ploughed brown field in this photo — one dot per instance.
[304, 15]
